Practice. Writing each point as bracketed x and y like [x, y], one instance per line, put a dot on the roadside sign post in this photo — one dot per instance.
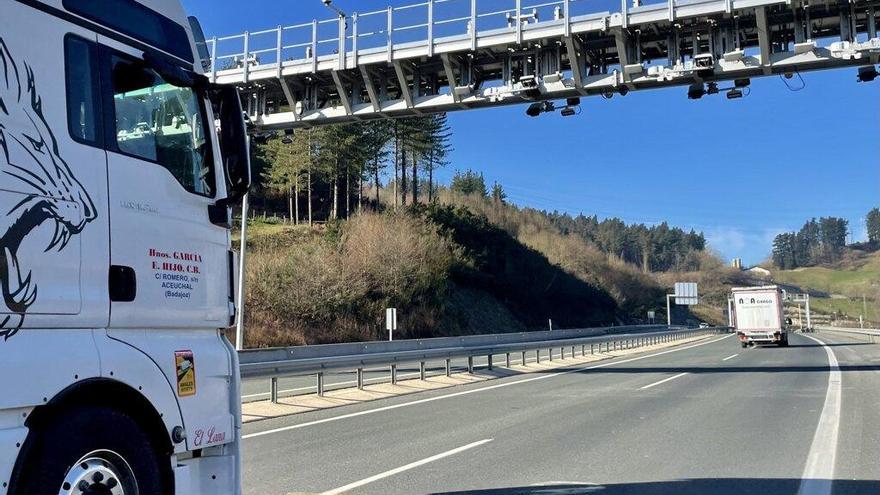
[391, 322]
[686, 294]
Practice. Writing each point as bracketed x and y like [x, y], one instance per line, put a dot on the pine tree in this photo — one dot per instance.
[469, 183]
[498, 194]
[783, 251]
[872, 222]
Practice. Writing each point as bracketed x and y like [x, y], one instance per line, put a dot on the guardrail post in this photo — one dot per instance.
[319, 386]
[422, 371]
[572, 351]
[394, 374]
[278, 45]
[471, 365]
[448, 367]
[507, 359]
[473, 23]
[591, 349]
[538, 356]
[550, 354]
[523, 358]
[360, 378]
[584, 350]
[430, 28]
[273, 389]
[354, 39]
[247, 65]
[214, 59]
[341, 41]
[489, 357]
[390, 31]
[314, 46]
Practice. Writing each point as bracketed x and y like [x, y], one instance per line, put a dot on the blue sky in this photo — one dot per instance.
[741, 170]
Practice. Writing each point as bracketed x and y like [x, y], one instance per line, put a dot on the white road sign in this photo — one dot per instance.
[390, 321]
[686, 293]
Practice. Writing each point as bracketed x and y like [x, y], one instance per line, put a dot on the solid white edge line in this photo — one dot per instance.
[664, 381]
[407, 467]
[472, 391]
[819, 471]
[730, 357]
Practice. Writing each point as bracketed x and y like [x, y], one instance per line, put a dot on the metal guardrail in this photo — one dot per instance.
[367, 32]
[316, 360]
[873, 333]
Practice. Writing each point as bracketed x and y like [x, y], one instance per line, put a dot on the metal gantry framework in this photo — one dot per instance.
[447, 55]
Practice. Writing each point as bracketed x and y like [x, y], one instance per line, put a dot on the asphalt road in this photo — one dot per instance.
[701, 418]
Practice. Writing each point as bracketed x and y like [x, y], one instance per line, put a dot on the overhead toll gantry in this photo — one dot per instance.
[447, 55]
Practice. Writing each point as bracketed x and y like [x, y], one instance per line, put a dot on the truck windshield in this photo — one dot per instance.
[162, 123]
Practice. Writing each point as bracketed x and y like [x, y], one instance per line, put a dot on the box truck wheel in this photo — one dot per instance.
[744, 344]
[90, 451]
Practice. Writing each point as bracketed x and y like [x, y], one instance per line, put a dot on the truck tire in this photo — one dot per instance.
[744, 344]
[92, 450]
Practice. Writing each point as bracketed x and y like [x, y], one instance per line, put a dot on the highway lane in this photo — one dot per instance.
[859, 453]
[720, 419]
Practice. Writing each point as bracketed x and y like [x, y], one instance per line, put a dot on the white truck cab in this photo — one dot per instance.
[119, 162]
[759, 316]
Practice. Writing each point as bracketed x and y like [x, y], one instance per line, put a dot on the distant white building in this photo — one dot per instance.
[757, 270]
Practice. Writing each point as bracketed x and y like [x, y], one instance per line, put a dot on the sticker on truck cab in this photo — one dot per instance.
[186, 373]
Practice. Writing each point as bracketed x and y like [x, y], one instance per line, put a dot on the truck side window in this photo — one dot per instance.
[161, 123]
[81, 73]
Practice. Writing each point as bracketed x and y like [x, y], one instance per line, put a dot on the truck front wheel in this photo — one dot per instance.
[91, 450]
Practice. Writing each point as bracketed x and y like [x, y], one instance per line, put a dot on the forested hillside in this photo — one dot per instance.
[348, 220]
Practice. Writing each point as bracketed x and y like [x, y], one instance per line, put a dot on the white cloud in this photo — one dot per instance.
[753, 246]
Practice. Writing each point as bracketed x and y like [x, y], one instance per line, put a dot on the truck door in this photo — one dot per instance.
[169, 262]
[53, 190]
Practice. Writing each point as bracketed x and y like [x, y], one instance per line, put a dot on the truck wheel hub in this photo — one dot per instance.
[99, 473]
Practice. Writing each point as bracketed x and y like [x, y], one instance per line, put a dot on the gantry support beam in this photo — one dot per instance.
[550, 56]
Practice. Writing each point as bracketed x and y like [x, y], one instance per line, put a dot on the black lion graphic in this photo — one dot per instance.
[31, 164]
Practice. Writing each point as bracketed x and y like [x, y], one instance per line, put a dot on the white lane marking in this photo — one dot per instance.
[728, 358]
[819, 471]
[472, 391]
[664, 381]
[412, 465]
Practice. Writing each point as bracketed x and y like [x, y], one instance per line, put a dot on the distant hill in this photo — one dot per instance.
[837, 289]
[465, 264]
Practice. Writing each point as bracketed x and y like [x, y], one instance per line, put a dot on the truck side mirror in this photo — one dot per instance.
[233, 143]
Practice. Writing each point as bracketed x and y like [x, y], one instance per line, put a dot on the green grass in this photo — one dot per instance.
[258, 229]
[845, 307]
[857, 275]
[854, 277]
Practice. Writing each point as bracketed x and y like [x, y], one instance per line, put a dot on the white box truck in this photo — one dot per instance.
[119, 163]
[758, 315]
